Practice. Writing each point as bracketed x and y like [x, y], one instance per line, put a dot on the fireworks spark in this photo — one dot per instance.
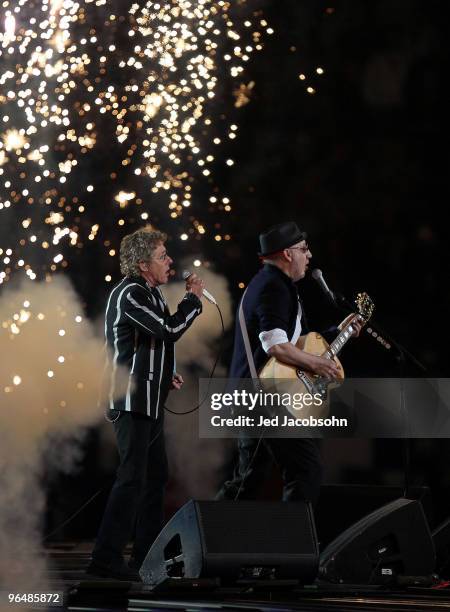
[157, 76]
[110, 113]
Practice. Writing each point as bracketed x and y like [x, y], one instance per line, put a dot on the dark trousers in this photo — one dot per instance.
[298, 459]
[135, 505]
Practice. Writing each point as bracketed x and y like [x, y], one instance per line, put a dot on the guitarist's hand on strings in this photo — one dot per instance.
[290, 354]
[323, 367]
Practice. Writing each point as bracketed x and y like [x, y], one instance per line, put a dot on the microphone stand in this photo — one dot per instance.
[387, 341]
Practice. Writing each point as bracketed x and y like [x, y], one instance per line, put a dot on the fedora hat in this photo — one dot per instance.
[280, 237]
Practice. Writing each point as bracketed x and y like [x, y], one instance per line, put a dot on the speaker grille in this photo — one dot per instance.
[255, 527]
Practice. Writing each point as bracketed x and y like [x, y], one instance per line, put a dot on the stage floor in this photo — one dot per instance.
[68, 561]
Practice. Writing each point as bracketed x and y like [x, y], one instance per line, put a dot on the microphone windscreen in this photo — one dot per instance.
[186, 274]
[316, 274]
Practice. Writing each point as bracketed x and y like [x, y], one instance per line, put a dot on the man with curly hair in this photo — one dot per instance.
[141, 332]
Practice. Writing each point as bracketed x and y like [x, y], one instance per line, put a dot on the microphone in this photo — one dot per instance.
[186, 274]
[318, 277]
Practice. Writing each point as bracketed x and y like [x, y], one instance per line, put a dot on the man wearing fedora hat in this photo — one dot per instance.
[272, 314]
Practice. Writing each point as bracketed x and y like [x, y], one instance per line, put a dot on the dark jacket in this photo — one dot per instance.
[271, 302]
[141, 332]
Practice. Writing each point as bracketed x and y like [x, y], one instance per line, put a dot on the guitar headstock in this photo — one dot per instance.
[365, 306]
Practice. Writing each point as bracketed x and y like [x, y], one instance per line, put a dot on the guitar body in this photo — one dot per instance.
[289, 379]
[314, 344]
[283, 378]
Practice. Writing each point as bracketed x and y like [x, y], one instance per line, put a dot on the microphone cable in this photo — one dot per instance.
[216, 361]
[75, 514]
[91, 499]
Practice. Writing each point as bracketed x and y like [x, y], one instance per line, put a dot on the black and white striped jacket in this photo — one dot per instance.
[141, 332]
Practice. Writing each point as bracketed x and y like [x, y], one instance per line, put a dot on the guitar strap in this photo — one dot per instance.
[248, 350]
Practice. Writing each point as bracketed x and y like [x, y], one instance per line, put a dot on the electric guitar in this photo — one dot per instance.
[293, 380]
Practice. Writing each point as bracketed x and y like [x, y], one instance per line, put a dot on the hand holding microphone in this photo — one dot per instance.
[195, 285]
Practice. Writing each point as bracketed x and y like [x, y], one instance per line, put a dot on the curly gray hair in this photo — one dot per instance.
[138, 247]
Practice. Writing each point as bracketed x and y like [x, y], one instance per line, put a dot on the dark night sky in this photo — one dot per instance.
[358, 164]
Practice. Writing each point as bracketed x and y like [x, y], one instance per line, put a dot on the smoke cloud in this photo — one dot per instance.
[50, 392]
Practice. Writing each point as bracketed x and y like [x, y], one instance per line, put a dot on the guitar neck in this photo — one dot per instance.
[340, 341]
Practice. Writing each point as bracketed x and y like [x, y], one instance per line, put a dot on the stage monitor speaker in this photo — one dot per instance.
[441, 539]
[351, 502]
[391, 541]
[234, 540]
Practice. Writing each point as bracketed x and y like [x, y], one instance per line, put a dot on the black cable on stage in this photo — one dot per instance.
[76, 513]
[219, 354]
[255, 452]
